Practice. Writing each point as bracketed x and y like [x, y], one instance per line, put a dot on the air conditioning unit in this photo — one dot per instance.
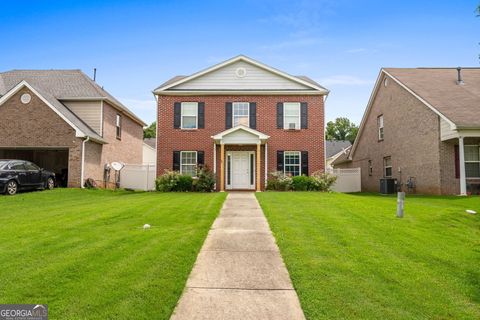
[292, 126]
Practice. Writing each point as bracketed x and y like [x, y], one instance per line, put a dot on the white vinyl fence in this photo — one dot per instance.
[348, 180]
[138, 176]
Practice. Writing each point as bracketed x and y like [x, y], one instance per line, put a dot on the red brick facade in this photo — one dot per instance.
[310, 139]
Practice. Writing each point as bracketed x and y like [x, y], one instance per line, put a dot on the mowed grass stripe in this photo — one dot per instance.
[85, 250]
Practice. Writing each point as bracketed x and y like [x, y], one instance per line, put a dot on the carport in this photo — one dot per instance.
[51, 159]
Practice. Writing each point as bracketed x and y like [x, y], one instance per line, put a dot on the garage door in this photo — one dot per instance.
[55, 160]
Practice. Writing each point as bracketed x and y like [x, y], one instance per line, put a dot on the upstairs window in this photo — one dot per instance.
[118, 126]
[387, 167]
[291, 115]
[240, 113]
[472, 161]
[380, 127]
[189, 115]
[188, 163]
[292, 163]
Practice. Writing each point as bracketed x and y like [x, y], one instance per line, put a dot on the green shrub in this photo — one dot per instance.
[173, 181]
[278, 181]
[302, 183]
[185, 183]
[322, 181]
[167, 182]
[205, 181]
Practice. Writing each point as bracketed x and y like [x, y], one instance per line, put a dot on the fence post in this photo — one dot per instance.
[400, 204]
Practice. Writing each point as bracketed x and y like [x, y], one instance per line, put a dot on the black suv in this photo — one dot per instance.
[20, 174]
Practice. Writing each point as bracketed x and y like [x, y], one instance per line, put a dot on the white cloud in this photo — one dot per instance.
[344, 80]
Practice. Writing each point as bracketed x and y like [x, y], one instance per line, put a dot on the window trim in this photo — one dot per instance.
[477, 162]
[385, 167]
[285, 124]
[299, 162]
[181, 115]
[195, 164]
[233, 113]
[118, 126]
[382, 128]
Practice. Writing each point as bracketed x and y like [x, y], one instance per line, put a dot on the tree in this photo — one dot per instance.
[341, 129]
[150, 131]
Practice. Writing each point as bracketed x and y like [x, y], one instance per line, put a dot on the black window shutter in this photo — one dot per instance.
[304, 115]
[200, 159]
[280, 115]
[253, 115]
[279, 160]
[176, 160]
[228, 115]
[177, 115]
[305, 163]
[457, 162]
[201, 115]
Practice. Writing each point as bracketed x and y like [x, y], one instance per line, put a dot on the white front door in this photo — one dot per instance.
[240, 170]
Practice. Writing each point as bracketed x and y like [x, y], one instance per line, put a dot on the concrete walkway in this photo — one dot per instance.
[239, 273]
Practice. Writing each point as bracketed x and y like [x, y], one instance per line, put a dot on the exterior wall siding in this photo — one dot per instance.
[128, 149]
[36, 125]
[411, 138]
[170, 139]
[89, 111]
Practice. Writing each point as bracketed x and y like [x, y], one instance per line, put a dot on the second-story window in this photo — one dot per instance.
[240, 113]
[118, 126]
[380, 127]
[291, 115]
[387, 167]
[189, 115]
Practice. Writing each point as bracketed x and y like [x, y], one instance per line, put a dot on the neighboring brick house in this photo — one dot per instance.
[421, 125]
[64, 122]
[243, 120]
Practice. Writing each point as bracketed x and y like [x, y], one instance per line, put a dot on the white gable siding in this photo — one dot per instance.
[255, 79]
[446, 132]
[89, 112]
[240, 137]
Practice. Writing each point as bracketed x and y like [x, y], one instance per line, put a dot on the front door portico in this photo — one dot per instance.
[240, 170]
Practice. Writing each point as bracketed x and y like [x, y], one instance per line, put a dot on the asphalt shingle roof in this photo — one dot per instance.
[438, 86]
[333, 147]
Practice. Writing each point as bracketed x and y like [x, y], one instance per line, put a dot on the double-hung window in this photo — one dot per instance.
[118, 126]
[291, 160]
[472, 161]
[291, 115]
[380, 127]
[240, 113]
[188, 163]
[387, 167]
[189, 115]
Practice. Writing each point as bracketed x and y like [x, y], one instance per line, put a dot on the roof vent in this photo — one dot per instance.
[459, 77]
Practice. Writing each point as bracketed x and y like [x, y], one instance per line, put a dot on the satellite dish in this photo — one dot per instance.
[117, 166]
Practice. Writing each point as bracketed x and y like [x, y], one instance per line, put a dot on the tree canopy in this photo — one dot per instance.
[150, 131]
[341, 129]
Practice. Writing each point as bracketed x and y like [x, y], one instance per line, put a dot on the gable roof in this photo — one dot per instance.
[62, 85]
[307, 83]
[260, 135]
[342, 157]
[437, 88]
[151, 142]
[68, 116]
[333, 147]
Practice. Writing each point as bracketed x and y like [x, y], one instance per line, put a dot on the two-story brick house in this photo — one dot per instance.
[242, 119]
[66, 123]
[422, 128]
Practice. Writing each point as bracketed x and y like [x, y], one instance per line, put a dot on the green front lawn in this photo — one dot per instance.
[84, 253]
[349, 257]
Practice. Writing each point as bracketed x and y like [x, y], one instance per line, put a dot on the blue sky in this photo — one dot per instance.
[136, 45]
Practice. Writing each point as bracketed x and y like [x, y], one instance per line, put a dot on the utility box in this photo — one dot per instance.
[388, 185]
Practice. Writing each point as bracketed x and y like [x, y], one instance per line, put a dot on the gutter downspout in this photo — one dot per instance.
[83, 162]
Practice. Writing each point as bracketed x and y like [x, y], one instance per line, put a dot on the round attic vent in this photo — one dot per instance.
[241, 72]
[26, 98]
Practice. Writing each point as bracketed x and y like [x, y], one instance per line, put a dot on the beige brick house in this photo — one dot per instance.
[66, 123]
[421, 125]
[242, 119]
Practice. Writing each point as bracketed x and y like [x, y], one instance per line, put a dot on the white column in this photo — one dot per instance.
[215, 164]
[463, 181]
[266, 164]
